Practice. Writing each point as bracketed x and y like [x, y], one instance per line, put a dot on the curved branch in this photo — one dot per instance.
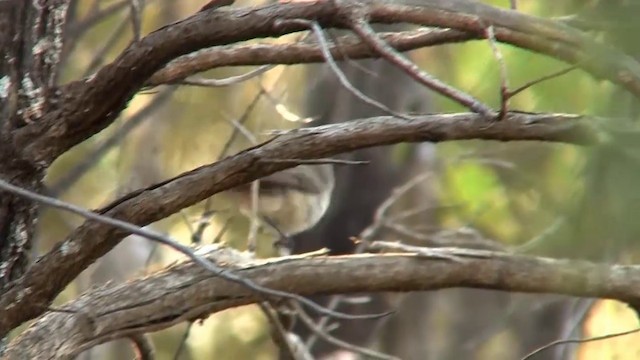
[186, 291]
[347, 46]
[92, 240]
[89, 105]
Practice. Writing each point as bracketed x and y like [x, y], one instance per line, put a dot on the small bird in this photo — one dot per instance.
[290, 201]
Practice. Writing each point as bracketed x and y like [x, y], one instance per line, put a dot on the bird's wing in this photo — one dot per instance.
[299, 178]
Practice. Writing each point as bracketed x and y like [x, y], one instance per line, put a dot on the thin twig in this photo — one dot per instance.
[234, 134]
[278, 332]
[281, 109]
[137, 7]
[143, 347]
[203, 224]
[222, 231]
[236, 130]
[278, 105]
[245, 116]
[238, 127]
[316, 161]
[366, 236]
[345, 57]
[544, 78]
[108, 45]
[322, 333]
[539, 238]
[446, 252]
[409, 232]
[183, 341]
[326, 53]
[443, 238]
[186, 221]
[299, 348]
[369, 36]
[579, 311]
[197, 234]
[420, 251]
[578, 341]
[79, 28]
[243, 130]
[403, 215]
[379, 216]
[165, 240]
[254, 224]
[504, 77]
[151, 255]
[231, 80]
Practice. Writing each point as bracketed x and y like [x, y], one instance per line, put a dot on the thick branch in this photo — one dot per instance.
[92, 240]
[187, 291]
[90, 105]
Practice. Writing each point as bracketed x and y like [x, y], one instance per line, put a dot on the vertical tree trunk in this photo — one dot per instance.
[24, 85]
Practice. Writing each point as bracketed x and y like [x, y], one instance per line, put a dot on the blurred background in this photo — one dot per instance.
[533, 198]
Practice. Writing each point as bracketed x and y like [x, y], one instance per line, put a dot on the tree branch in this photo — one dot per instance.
[298, 53]
[89, 105]
[187, 291]
[92, 240]
[142, 346]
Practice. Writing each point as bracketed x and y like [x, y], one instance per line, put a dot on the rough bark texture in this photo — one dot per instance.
[92, 240]
[89, 105]
[26, 91]
[40, 121]
[188, 291]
